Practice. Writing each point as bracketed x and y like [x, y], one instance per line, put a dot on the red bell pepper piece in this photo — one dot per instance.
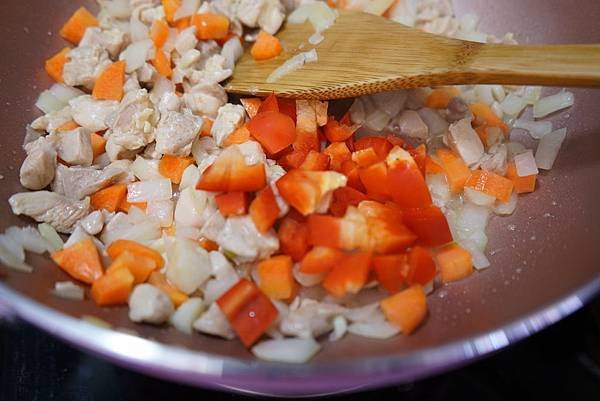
[229, 173]
[306, 190]
[315, 161]
[336, 132]
[349, 275]
[320, 259]
[264, 209]
[269, 104]
[338, 153]
[380, 145]
[390, 271]
[293, 236]
[274, 130]
[344, 197]
[430, 225]
[375, 179]
[421, 266]
[350, 170]
[232, 203]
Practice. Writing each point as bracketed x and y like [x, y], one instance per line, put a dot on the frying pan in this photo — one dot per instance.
[545, 261]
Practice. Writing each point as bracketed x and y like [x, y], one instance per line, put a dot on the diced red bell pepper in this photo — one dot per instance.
[274, 130]
[315, 161]
[320, 259]
[292, 159]
[344, 197]
[387, 212]
[293, 237]
[232, 203]
[324, 230]
[350, 170]
[407, 185]
[287, 107]
[421, 266]
[380, 145]
[419, 155]
[229, 173]
[349, 275]
[390, 271]
[306, 190]
[375, 179]
[395, 140]
[248, 310]
[336, 132]
[251, 105]
[430, 225]
[365, 157]
[338, 153]
[264, 209]
[269, 104]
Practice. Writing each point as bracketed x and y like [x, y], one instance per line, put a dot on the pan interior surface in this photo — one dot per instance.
[544, 256]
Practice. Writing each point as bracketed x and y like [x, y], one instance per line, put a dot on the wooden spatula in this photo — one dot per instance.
[363, 53]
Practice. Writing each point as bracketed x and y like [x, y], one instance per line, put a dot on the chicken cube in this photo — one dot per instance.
[248, 11]
[176, 132]
[91, 113]
[85, 65]
[111, 40]
[411, 124]
[241, 237]
[37, 170]
[186, 40]
[149, 304]
[75, 147]
[79, 182]
[51, 121]
[229, 118]
[205, 100]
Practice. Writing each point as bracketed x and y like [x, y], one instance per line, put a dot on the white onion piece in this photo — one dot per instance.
[366, 313]
[439, 189]
[498, 92]
[49, 103]
[468, 22]
[497, 109]
[191, 206]
[484, 94]
[190, 177]
[119, 9]
[186, 314]
[151, 190]
[290, 350]
[318, 13]
[472, 36]
[10, 255]
[162, 85]
[550, 104]
[292, 64]
[474, 217]
[340, 327]
[507, 208]
[479, 198]
[316, 38]
[379, 330]
[68, 290]
[465, 141]
[189, 266]
[537, 129]
[531, 94]
[145, 169]
[136, 54]
[357, 111]
[186, 9]
[512, 104]
[232, 51]
[300, 14]
[548, 148]
[162, 211]
[377, 120]
[480, 261]
[29, 238]
[138, 30]
[50, 234]
[525, 163]
[64, 93]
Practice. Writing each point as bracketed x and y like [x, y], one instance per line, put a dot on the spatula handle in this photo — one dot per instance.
[553, 65]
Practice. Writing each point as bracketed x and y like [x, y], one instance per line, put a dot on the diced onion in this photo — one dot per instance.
[189, 266]
[49, 233]
[480, 261]
[498, 92]
[468, 22]
[472, 36]
[190, 177]
[10, 255]
[68, 290]
[537, 129]
[145, 169]
[526, 164]
[439, 189]
[357, 111]
[186, 9]
[484, 93]
[512, 104]
[307, 280]
[136, 54]
[506, 208]
[340, 327]
[550, 104]
[292, 64]
[514, 148]
[531, 94]
[290, 350]
[119, 9]
[64, 93]
[379, 330]
[49, 103]
[162, 210]
[318, 13]
[151, 190]
[316, 38]
[138, 30]
[548, 148]
[186, 314]
[29, 238]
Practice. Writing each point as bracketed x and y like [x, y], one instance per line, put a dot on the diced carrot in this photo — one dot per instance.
[484, 115]
[98, 144]
[349, 275]
[491, 183]
[344, 197]
[251, 105]
[315, 161]
[54, 65]
[438, 99]
[390, 271]
[109, 198]
[457, 172]
[162, 63]
[182, 23]
[159, 280]
[351, 171]
[274, 130]
[81, 261]
[208, 244]
[206, 127]
[293, 237]
[172, 167]
[454, 263]
[248, 310]
[170, 7]
[337, 132]
[320, 259]
[380, 145]
[113, 288]
[421, 266]
[109, 85]
[76, 25]
[210, 26]
[266, 47]
[275, 277]
[159, 32]
[338, 153]
[406, 309]
[365, 157]
[375, 179]
[139, 266]
[264, 209]
[521, 184]
[432, 167]
[119, 246]
[270, 103]
[68, 126]
[430, 225]
[230, 173]
[232, 203]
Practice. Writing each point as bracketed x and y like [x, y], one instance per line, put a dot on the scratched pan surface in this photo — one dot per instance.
[545, 261]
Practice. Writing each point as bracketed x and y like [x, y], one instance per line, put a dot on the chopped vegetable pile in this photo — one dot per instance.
[269, 217]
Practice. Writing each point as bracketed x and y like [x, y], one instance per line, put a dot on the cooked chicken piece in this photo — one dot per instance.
[85, 65]
[150, 14]
[495, 159]
[126, 176]
[146, 73]
[465, 141]
[214, 322]
[79, 182]
[118, 152]
[435, 123]
[214, 71]
[169, 101]
[149, 304]
[51, 121]
[91, 113]
[37, 170]
[93, 222]
[133, 126]
[75, 147]
[240, 236]
[176, 132]
[131, 83]
[411, 124]
[271, 16]
[59, 211]
[111, 40]
[186, 40]
[229, 118]
[309, 318]
[248, 11]
[31, 135]
[457, 109]
[205, 100]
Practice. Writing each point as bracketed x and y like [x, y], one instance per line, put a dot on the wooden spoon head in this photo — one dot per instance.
[360, 54]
